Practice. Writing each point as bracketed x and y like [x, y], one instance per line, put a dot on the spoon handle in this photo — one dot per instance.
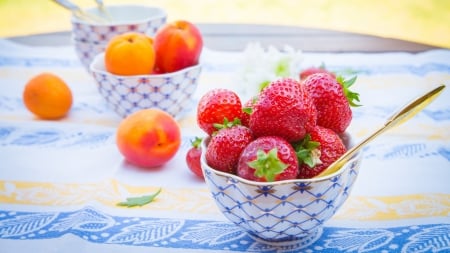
[103, 10]
[78, 12]
[400, 116]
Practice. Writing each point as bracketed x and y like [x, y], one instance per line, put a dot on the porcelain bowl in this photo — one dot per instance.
[86, 51]
[171, 92]
[120, 19]
[274, 212]
[90, 39]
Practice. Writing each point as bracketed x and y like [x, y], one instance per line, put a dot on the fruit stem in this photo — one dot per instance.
[267, 165]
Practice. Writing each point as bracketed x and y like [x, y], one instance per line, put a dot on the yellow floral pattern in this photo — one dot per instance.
[109, 193]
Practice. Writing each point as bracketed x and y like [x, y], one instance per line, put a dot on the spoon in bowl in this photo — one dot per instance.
[101, 7]
[402, 115]
[80, 13]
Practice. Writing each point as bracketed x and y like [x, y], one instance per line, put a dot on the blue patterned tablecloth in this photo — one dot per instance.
[60, 180]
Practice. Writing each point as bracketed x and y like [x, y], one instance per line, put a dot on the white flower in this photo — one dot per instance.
[261, 66]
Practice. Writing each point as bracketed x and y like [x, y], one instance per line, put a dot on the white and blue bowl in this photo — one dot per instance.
[119, 19]
[276, 212]
[90, 39]
[170, 92]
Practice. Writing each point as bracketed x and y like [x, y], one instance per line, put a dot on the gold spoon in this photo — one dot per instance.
[101, 7]
[402, 115]
[80, 13]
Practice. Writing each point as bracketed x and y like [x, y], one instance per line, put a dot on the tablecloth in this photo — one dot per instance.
[60, 180]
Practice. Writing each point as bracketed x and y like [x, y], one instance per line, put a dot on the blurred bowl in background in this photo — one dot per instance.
[91, 39]
[87, 51]
[170, 92]
[124, 18]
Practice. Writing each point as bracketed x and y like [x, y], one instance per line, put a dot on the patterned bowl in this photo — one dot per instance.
[86, 51]
[170, 92]
[124, 18]
[283, 211]
[91, 39]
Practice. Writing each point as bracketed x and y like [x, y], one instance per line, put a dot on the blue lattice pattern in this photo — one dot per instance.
[86, 51]
[127, 18]
[281, 210]
[171, 92]
[90, 39]
[102, 34]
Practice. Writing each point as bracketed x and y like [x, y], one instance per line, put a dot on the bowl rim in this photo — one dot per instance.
[100, 56]
[161, 13]
[205, 166]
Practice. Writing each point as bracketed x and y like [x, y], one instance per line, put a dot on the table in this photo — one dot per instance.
[60, 181]
[234, 37]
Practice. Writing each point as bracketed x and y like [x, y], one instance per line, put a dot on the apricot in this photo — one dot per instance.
[130, 53]
[47, 96]
[148, 138]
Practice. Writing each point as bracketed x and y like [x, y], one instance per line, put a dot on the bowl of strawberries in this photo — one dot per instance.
[262, 160]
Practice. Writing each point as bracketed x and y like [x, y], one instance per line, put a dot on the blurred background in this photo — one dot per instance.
[422, 21]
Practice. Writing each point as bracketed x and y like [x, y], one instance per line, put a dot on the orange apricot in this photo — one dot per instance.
[130, 53]
[148, 138]
[47, 96]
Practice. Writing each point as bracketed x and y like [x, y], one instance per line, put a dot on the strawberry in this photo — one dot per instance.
[268, 158]
[283, 109]
[332, 99]
[320, 148]
[313, 70]
[225, 147]
[215, 106]
[193, 157]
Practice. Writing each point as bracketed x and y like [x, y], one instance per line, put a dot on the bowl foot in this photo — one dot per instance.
[292, 242]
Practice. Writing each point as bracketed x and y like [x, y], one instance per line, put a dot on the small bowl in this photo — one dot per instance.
[170, 92]
[125, 18]
[86, 51]
[290, 210]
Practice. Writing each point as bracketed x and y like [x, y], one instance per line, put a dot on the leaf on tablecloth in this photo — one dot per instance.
[139, 201]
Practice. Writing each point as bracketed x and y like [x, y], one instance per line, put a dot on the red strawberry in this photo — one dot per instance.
[268, 158]
[193, 157]
[317, 151]
[313, 70]
[283, 109]
[225, 147]
[332, 100]
[215, 106]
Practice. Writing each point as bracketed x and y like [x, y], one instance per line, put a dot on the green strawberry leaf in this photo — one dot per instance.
[267, 165]
[227, 124]
[350, 95]
[247, 110]
[196, 142]
[139, 201]
[307, 151]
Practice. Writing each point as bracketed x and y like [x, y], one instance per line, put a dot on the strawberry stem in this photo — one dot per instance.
[227, 124]
[196, 142]
[308, 151]
[267, 165]
[350, 95]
